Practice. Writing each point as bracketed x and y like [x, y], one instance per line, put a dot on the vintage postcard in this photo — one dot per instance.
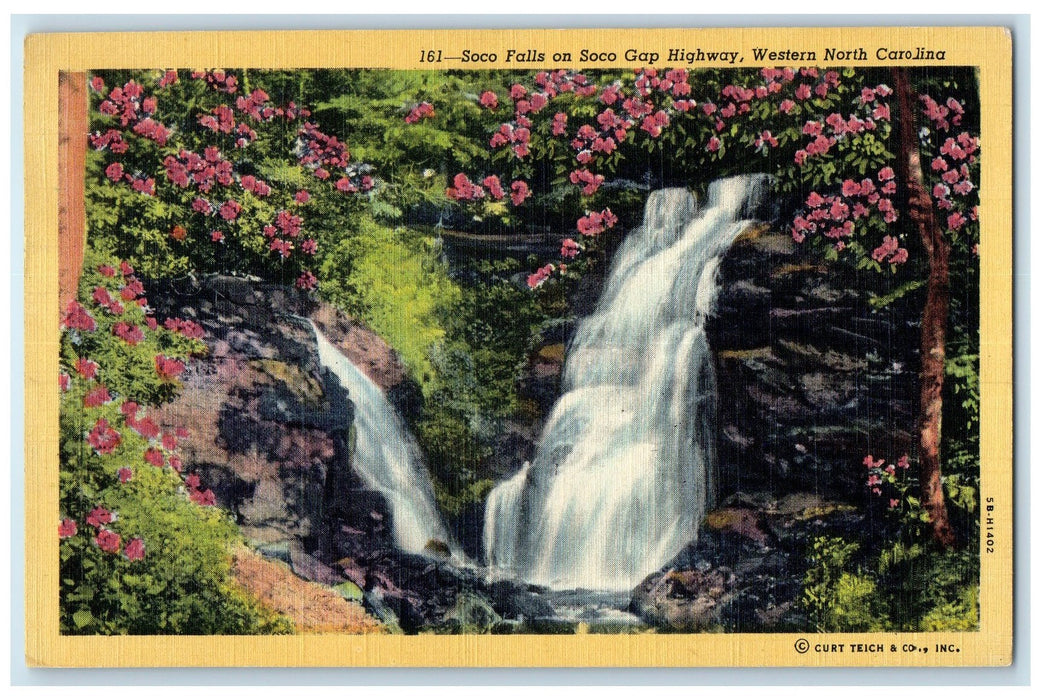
[685, 347]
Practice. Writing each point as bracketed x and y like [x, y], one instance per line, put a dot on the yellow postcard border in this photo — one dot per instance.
[46, 55]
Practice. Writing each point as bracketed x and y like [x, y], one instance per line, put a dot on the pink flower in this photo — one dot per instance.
[489, 99]
[494, 187]
[424, 110]
[103, 438]
[216, 236]
[309, 246]
[850, 188]
[595, 223]
[871, 463]
[802, 92]
[88, 369]
[155, 457]
[168, 367]
[97, 84]
[302, 197]
[98, 396]
[100, 516]
[559, 124]
[955, 221]
[463, 190]
[569, 248]
[114, 172]
[135, 549]
[888, 247]
[108, 541]
[306, 280]
[230, 210]
[125, 474]
[899, 257]
[169, 78]
[281, 246]
[904, 462]
[129, 333]
[519, 192]
[536, 278]
[204, 498]
[893, 502]
[590, 182]
[886, 173]
[67, 528]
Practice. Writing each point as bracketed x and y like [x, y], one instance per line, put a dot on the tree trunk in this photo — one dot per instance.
[934, 315]
[72, 164]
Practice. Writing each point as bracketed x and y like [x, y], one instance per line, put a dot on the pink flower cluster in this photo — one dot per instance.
[569, 248]
[104, 538]
[257, 106]
[517, 133]
[189, 329]
[589, 182]
[833, 216]
[489, 100]
[189, 168]
[537, 278]
[594, 223]
[938, 113]
[306, 280]
[103, 438]
[168, 78]
[463, 190]
[111, 139]
[952, 173]
[195, 492]
[127, 103]
[220, 119]
[879, 474]
[168, 368]
[423, 110]
[322, 151]
[253, 184]
[218, 79]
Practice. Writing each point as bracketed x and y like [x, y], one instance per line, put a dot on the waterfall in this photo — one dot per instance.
[386, 455]
[624, 469]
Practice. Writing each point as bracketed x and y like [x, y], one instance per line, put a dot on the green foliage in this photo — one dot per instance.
[393, 280]
[899, 587]
[836, 599]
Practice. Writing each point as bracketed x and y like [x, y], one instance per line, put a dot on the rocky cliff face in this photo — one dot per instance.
[811, 378]
[271, 435]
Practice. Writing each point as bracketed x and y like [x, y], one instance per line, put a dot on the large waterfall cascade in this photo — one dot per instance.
[624, 469]
[386, 455]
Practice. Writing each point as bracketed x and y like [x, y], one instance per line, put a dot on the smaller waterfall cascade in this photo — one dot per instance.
[624, 469]
[386, 455]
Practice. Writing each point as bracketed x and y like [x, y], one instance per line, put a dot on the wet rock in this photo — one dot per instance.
[810, 376]
[745, 572]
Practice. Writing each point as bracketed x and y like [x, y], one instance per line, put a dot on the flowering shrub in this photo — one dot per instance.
[137, 555]
[193, 172]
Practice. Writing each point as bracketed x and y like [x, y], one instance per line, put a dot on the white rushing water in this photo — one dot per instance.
[624, 469]
[386, 455]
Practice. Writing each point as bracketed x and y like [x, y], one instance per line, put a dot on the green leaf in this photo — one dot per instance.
[82, 618]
